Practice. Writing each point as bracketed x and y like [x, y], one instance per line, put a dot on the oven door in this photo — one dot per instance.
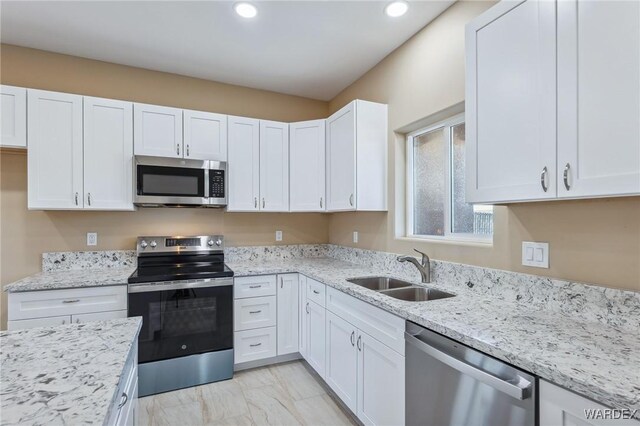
[171, 181]
[180, 319]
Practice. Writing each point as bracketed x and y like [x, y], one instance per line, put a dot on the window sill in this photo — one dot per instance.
[452, 240]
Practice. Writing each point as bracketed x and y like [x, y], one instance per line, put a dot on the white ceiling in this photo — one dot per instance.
[307, 48]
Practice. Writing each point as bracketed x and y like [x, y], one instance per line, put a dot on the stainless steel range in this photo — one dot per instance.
[184, 293]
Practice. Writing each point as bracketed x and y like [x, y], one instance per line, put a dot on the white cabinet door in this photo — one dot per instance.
[38, 322]
[511, 103]
[98, 316]
[303, 329]
[244, 164]
[157, 131]
[55, 150]
[108, 154]
[316, 337]
[380, 383]
[560, 407]
[342, 359]
[598, 98]
[287, 313]
[307, 166]
[13, 117]
[205, 136]
[274, 166]
[341, 159]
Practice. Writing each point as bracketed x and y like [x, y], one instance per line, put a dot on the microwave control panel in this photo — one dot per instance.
[216, 184]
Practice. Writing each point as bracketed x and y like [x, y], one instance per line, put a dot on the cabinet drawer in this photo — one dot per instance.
[98, 316]
[263, 285]
[316, 292]
[38, 322]
[251, 345]
[48, 303]
[255, 312]
[380, 324]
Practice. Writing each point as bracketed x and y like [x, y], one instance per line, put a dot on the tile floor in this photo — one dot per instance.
[283, 394]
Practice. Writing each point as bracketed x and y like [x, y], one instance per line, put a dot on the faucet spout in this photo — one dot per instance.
[424, 266]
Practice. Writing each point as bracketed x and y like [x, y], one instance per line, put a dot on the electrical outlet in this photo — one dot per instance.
[355, 236]
[92, 238]
[535, 254]
[278, 235]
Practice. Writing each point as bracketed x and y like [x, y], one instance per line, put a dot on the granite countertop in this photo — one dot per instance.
[66, 374]
[598, 361]
[74, 278]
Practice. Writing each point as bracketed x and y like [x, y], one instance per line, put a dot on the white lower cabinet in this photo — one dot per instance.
[302, 314]
[560, 407]
[252, 345]
[288, 323]
[342, 359]
[38, 322]
[316, 337]
[255, 312]
[125, 410]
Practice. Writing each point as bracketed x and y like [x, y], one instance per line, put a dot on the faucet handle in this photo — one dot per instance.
[425, 257]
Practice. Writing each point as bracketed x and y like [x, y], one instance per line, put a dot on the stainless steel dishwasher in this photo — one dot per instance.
[448, 383]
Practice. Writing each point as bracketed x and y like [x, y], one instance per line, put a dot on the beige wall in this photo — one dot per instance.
[26, 234]
[595, 241]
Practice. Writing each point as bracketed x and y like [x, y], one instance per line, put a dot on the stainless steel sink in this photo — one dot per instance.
[380, 283]
[417, 294]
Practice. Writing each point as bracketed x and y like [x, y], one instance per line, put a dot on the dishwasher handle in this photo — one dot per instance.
[520, 391]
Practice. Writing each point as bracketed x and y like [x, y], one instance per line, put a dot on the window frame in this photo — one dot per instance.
[448, 236]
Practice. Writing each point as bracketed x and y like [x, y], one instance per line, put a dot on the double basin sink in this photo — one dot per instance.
[399, 289]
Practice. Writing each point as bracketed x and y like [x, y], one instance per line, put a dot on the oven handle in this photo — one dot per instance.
[178, 285]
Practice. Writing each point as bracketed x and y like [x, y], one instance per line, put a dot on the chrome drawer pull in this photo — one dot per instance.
[255, 312]
[255, 344]
[316, 291]
[255, 286]
[71, 301]
[122, 403]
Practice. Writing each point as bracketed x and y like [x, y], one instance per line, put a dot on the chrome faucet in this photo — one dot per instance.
[424, 267]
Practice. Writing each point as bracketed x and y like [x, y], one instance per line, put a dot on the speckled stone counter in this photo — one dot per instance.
[64, 375]
[599, 361]
[73, 278]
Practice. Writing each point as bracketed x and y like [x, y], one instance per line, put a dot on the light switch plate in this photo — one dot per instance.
[355, 236]
[278, 235]
[535, 254]
[92, 238]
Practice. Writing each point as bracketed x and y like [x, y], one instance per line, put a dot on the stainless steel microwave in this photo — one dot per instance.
[177, 182]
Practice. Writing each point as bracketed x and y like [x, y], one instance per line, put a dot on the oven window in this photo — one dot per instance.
[170, 181]
[183, 322]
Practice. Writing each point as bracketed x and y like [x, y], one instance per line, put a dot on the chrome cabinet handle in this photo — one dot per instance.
[255, 202]
[316, 291]
[543, 179]
[76, 198]
[352, 338]
[351, 200]
[71, 301]
[281, 282]
[263, 202]
[320, 202]
[77, 320]
[307, 307]
[89, 198]
[178, 149]
[566, 176]
[359, 343]
[64, 322]
[255, 312]
[187, 150]
[126, 398]
[255, 344]
[255, 286]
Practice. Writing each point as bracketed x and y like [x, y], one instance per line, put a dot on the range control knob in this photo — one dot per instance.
[153, 244]
[143, 244]
[218, 242]
[210, 243]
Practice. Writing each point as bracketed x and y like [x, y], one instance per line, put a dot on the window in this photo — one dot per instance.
[435, 175]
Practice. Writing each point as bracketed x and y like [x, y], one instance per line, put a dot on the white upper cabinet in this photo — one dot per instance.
[13, 117]
[244, 164]
[307, 166]
[205, 136]
[511, 103]
[108, 154]
[598, 98]
[274, 166]
[55, 150]
[356, 143]
[157, 131]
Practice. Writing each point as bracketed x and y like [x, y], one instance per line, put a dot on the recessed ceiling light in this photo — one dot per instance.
[246, 10]
[396, 8]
